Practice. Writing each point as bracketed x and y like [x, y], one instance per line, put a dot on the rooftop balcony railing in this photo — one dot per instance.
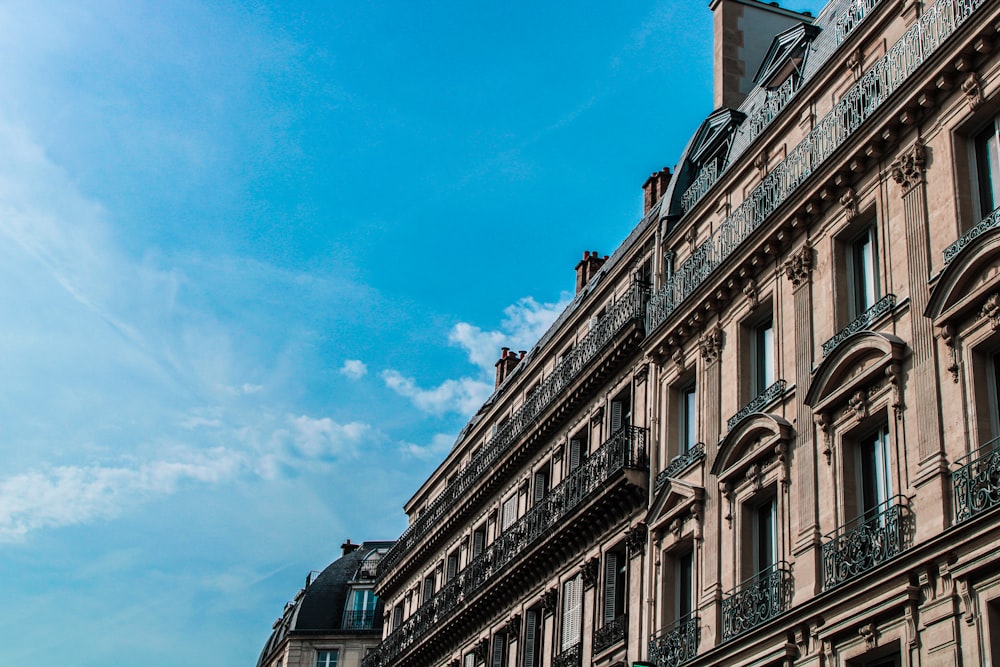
[625, 311]
[861, 323]
[625, 449]
[864, 543]
[938, 22]
[680, 463]
[677, 643]
[756, 601]
[976, 483]
[760, 401]
[367, 568]
[706, 178]
[776, 100]
[611, 633]
[852, 17]
[992, 221]
[571, 657]
[359, 620]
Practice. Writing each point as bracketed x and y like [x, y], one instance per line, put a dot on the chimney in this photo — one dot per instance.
[743, 32]
[508, 362]
[587, 268]
[347, 547]
[654, 188]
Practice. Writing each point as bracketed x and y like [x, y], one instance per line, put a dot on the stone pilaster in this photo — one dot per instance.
[711, 345]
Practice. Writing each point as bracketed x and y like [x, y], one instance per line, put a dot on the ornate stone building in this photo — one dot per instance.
[764, 432]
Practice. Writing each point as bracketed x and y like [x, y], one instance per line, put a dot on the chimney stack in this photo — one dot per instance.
[587, 268]
[508, 362]
[654, 188]
[347, 547]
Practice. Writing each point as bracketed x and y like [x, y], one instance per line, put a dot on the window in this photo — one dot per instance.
[478, 540]
[532, 656]
[687, 418]
[509, 513]
[621, 412]
[499, 656]
[862, 274]
[572, 612]
[577, 450]
[615, 580]
[451, 568]
[765, 536]
[326, 658]
[993, 390]
[361, 609]
[762, 355]
[428, 588]
[684, 603]
[873, 472]
[470, 660]
[987, 158]
[540, 484]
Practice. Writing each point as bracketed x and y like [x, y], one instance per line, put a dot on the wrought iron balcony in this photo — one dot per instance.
[359, 620]
[761, 401]
[610, 633]
[776, 100]
[756, 601]
[875, 537]
[681, 462]
[992, 221]
[571, 657]
[624, 312]
[976, 483]
[367, 569]
[625, 449]
[861, 323]
[707, 176]
[938, 22]
[676, 644]
[851, 17]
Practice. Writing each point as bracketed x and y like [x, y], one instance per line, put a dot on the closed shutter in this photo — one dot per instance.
[478, 541]
[616, 416]
[452, 566]
[428, 588]
[572, 612]
[531, 638]
[499, 650]
[541, 485]
[610, 586]
[575, 454]
[509, 513]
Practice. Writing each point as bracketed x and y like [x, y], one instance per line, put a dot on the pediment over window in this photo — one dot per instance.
[785, 56]
[965, 283]
[675, 500]
[754, 439]
[856, 363]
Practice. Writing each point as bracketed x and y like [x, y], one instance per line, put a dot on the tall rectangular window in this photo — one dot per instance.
[684, 578]
[361, 609]
[993, 391]
[577, 450]
[478, 540]
[874, 479]
[862, 274]
[688, 418]
[499, 656]
[326, 658]
[572, 612]
[621, 412]
[615, 581]
[988, 168]
[532, 652]
[540, 485]
[762, 356]
[451, 567]
[397, 616]
[428, 588]
[509, 512]
[765, 535]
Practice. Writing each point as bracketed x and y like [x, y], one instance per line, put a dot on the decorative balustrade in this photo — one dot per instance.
[861, 323]
[359, 620]
[367, 568]
[707, 177]
[625, 311]
[976, 483]
[611, 633]
[625, 449]
[853, 16]
[681, 462]
[938, 22]
[875, 537]
[775, 101]
[992, 221]
[756, 601]
[571, 657]
[676, 644]
[761, 401]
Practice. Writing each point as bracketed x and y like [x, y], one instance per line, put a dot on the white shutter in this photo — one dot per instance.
[478, 541]
[452, 566]
[610, 586]
[572, 612]
[509, 513]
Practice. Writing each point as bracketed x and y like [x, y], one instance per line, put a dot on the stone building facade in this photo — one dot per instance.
[765, 430]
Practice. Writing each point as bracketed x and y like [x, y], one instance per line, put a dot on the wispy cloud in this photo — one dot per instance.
[354, 369]
[463, 395]
[439, 445]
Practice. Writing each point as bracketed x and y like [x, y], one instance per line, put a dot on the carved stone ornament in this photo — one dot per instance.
[678, 357]
[798, 267]
[641, 373]
[908, 168]
[755, 477]
[991, 310]
[727, 493]
[947, 335]
[590, 571]
[512, 628]
[968, 604]
[598, 415]
[973, 89]
[696, 515]
[750, 290]
[550, 599]
[760, 162]
[635, 539]
[854, 61]
[858, 404]
[711, 344]
[849, 200]
[482, 650]
[892, 372]
[870, 634]
[822, 421]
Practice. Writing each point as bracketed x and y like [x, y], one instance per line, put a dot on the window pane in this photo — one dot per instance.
[766, 536]
[988, 169]
[689, 419]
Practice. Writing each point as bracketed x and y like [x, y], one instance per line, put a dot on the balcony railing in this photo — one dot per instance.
[625, 449]
[367, 568]
[681, 462]
[676, 644]
[620, 315]
[853, 16]
[761, 401]
[861, 323]
[359, 620]
[756, 601]
[571, 657]
[938, 22]
[977, 482]
[707, 176]
[992, 221]
[875, 537]
[776, 100]
[610, 633]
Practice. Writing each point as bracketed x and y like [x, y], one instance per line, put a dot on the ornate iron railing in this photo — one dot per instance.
[571, 657]
[976, 482]
[610, 633]
[676, 644]
[938, 22]
[992, 221]
[761, 401]
[625, 449]
[775, 101]
[707, 176]
[367, 568]
[620, 315]
[681, 462]
[756, 601]
[861, 323]
[864, 543]
[359, 620]
[853, 16]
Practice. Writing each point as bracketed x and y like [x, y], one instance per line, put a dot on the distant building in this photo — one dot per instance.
[335, 619]
[765, 432]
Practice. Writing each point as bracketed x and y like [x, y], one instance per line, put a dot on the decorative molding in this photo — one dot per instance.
[711, 344]
[991, 310]
[948, 336]
[591, 572]
[908, 168]
[550, 599]
[973, 89]
[482, 650]
[727, 492]
[870, 634]
[967, 602]
[892, 372]
[598, 415]
[760, 162]
[512, 628]
[822, 421]
[635, 539]
[750, 290]
[755, 476]
[849, 200]
[798, 267]
[678, 357]
[697, 514]
[641, 373]
[858, 404]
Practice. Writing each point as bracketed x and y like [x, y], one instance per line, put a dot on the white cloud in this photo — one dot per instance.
[463, 395]
[439, 445]
[354, 369]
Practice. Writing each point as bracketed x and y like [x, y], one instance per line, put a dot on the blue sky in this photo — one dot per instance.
[256, 263]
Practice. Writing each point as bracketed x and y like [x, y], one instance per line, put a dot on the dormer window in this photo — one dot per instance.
[784, 61]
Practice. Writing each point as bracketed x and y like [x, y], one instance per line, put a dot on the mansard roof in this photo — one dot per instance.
[787, 53]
